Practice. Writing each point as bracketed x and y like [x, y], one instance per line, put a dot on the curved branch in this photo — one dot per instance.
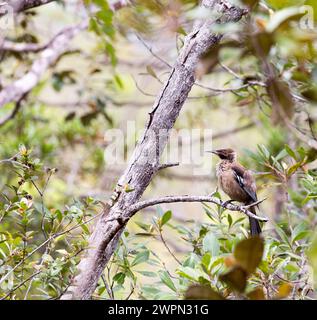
[22, 47]
[173, 199]
[13, 113]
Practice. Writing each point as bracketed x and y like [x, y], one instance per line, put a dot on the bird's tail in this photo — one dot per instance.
[255, 227]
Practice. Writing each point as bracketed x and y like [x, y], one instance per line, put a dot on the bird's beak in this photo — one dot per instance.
[212, 151]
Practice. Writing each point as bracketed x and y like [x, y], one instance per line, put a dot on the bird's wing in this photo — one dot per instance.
[245, 181]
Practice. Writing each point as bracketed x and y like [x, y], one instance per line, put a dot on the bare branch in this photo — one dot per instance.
[22, 5]
[22, 47]
[16, 90]
[167, 165]
[173, 199]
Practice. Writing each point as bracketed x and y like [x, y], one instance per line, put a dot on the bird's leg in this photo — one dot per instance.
[228, 202]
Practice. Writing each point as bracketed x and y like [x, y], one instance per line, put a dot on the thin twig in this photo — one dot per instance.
[130, 294]
[152, 52]
[251, 83]
[230, 71]
[21, 284]
[167, 247]
[107, 287]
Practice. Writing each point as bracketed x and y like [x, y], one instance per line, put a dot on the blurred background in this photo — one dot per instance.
[256, 92]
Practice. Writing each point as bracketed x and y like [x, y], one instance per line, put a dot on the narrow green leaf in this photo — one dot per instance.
[141, 257]
[119, 278]
[165, 218]
[211, 244]
[164, 276]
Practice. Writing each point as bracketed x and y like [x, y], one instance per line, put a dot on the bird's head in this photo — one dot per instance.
[225, 154]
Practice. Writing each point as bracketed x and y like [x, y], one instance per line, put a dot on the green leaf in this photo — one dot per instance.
[119, 278]
[211, 244]
[248, 253]
[229, 218]
[264, 151]
[299, 231]
[148, 274]
[150, 289]
[164, 276]
[205, 261]
[191, 261]
[145, 227]
[59, 215]
[282, 235]
[293, 169]
[282, 154]
[190, 273]
[141, 257]
[282, 17]
[118, 81]
[111, 52]
[151, 72]
[290, 152]
[312, 257]
[165, 218]
[85, 229]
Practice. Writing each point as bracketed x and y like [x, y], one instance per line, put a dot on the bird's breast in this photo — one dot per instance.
[230, 186]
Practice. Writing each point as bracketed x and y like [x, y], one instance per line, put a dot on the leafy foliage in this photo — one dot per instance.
[53, 162]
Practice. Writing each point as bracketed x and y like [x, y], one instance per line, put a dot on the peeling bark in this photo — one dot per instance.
[144, 162]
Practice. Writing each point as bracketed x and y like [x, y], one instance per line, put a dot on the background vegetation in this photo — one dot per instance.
[257, 91]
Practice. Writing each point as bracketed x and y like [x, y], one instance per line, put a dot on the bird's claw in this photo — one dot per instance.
[227, 202]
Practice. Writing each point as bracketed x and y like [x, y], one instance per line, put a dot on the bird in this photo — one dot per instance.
[237, 182]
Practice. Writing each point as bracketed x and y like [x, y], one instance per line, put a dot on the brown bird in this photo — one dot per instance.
[237, 182]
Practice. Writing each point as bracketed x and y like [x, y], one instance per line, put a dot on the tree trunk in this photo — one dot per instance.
[144, 162]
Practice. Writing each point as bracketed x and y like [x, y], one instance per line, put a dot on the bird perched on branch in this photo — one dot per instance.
[237, 182]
